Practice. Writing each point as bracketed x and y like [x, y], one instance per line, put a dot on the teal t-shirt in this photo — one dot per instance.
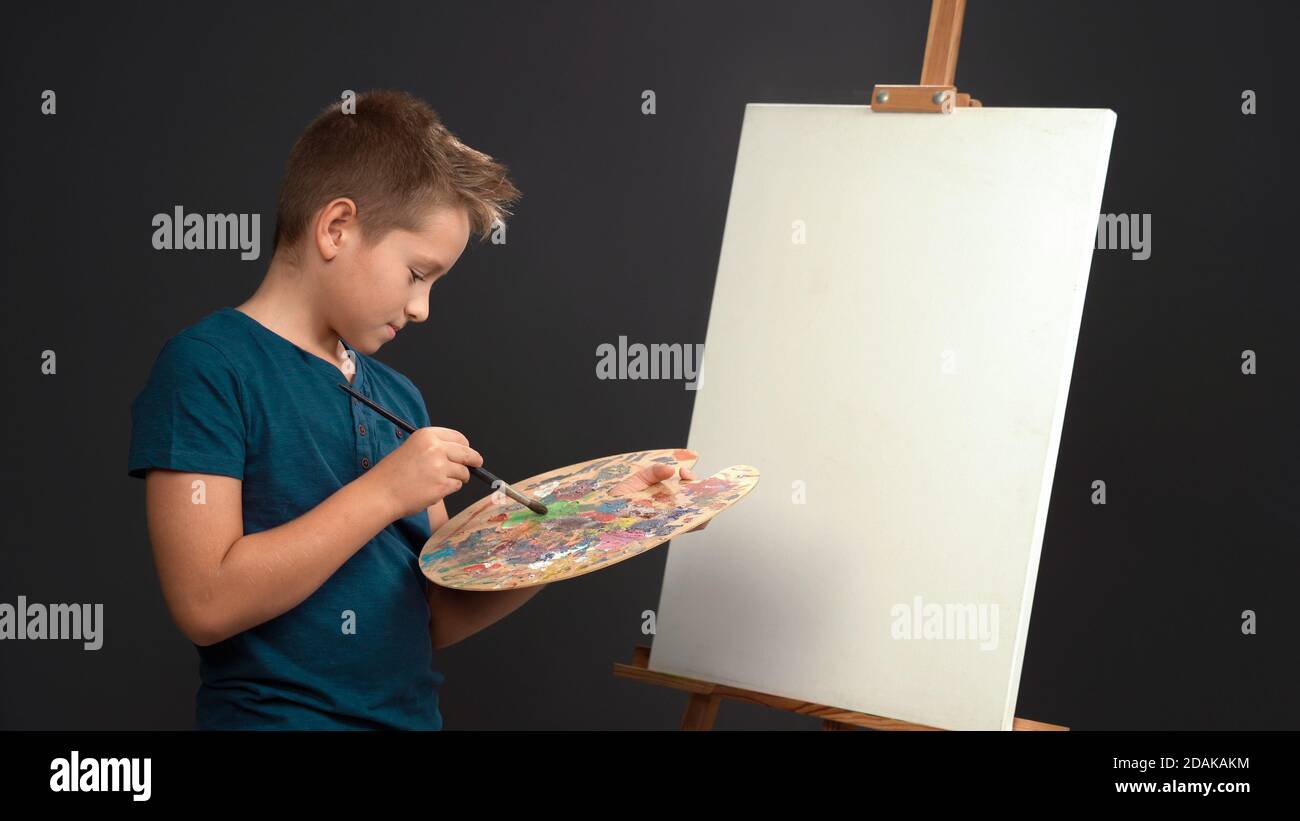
[229, 396]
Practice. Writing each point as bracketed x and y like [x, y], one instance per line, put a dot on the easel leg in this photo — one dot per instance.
[832, 724]
[701, 711]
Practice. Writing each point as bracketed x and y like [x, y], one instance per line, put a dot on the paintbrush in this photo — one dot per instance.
[496, 484]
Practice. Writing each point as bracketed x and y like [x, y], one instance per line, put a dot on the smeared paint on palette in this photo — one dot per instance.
[498, 544]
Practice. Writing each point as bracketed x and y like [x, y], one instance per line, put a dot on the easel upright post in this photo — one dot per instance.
[936, 93]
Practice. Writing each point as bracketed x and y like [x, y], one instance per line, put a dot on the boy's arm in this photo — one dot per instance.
[459, 614]
[217, 581]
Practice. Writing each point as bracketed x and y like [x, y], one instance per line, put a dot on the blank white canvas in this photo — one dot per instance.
[905, 367]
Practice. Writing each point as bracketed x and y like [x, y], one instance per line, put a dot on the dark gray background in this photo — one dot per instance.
[1136, 621]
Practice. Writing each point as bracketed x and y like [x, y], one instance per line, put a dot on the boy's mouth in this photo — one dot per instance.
[392, 330]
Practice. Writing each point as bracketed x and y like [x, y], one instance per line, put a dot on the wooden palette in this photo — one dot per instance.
[498, 544]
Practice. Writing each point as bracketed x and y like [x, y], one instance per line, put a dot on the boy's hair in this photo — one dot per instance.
[396, 160]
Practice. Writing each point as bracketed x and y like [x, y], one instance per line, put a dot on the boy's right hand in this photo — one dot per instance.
[431, 464]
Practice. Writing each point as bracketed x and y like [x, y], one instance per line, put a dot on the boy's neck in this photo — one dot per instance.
[282, 304]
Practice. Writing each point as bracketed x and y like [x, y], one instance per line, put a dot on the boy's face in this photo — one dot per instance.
[368, 293]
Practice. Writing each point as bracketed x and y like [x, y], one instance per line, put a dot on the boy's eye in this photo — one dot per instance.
[415, 276]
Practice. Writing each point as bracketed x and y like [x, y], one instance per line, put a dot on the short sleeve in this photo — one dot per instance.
[189, 415]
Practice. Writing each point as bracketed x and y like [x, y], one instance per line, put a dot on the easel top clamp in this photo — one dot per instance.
[936, 94]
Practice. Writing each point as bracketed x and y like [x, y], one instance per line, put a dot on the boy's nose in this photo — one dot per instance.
[418, 311]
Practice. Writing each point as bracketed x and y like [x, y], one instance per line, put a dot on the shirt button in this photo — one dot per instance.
[399, 433]
[365, 463]
[361, 429]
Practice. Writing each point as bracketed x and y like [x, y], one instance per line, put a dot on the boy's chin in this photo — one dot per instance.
[370, 342]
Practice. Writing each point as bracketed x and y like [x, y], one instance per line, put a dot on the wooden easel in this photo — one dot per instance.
[936, 94]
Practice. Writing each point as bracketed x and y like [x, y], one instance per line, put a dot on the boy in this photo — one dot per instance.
[286, 518]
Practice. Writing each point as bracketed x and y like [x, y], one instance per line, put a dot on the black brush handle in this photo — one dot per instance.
[481, 473]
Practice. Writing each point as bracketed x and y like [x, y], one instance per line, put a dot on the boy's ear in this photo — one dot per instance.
[338, 215]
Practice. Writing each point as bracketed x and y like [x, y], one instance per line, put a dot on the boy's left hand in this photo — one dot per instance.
[653, 474]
